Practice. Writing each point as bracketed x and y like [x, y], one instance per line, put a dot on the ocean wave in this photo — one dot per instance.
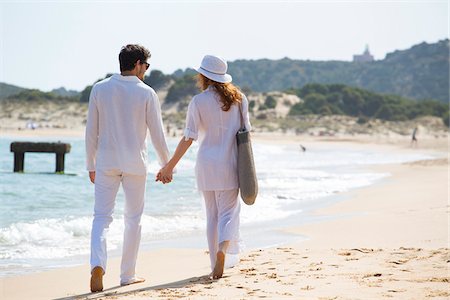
[57, 238]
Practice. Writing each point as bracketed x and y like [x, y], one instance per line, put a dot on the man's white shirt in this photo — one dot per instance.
[121, 109]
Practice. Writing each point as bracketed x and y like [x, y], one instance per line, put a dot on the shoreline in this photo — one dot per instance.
[428, 141]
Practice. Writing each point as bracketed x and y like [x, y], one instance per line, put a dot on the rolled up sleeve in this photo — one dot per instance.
[192, 122]
[245, 113]
[155, 126]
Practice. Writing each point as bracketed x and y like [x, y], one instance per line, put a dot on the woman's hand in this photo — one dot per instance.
[165, 175]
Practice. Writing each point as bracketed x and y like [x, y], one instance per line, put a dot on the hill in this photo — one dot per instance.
[7, 90]
[65, 93]
[39, 96]
[420, 72]
[338, 99]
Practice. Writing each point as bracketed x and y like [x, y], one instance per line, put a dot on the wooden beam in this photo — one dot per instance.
[19, 149]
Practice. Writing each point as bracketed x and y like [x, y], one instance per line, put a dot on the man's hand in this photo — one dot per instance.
[92, 176]
[164, 175]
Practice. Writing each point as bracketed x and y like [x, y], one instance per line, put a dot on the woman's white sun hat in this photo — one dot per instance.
[214, 68]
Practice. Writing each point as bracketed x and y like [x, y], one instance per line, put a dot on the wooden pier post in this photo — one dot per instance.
[19, 158]
[60, 162]
[19, 149]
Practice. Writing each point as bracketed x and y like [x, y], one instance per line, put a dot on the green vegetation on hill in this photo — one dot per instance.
[338, 99]
[421, 72]
[67, 93]
[37, 95]
[7, 90]
[183, 88]
[158, 80]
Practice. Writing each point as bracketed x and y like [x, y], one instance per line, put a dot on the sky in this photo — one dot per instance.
[71, 44]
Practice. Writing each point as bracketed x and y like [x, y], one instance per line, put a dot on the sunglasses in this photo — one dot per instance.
[147, 65]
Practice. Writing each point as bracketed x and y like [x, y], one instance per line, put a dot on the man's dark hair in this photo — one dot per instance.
[130, 54]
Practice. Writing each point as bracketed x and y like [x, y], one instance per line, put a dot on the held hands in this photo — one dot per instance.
[164, 175]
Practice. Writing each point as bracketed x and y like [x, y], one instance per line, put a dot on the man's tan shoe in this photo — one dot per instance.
[97, 279]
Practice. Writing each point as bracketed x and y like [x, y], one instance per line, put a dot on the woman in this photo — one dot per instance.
[214, 118]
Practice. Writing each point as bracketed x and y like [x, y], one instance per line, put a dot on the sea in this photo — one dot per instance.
[45, 218]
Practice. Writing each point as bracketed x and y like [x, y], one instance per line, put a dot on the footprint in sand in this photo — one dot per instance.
[410, 249]
[254, 255]
[363, 250]
[438, 293]
[399, 262]
[285, 249]
[432, 279]
[372, 275]
[247, 270]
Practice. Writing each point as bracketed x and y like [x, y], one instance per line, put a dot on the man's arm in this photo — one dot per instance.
[91, 135]
[155, 126]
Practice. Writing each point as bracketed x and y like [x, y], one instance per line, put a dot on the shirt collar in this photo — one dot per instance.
[126, 78]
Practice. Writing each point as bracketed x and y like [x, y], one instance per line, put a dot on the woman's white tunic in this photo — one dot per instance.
[216, 130]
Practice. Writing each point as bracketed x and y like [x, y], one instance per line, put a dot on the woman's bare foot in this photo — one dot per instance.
[97, 279]
[218, 268]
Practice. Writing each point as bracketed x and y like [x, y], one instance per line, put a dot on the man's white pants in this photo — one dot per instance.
[106, 187]
[222, 222]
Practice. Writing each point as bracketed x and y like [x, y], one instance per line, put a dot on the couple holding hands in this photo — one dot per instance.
[122, 110]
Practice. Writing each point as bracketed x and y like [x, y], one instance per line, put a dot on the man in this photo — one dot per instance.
[121, 108]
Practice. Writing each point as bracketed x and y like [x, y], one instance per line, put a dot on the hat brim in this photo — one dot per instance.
[225, 78]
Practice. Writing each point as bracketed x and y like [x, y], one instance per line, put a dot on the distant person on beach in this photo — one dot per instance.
[414, 137]
[122, 109]
[214, 118]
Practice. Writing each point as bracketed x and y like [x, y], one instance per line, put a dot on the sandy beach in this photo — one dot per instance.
[388, 240]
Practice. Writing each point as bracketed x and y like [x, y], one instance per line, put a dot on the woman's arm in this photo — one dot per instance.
[165, 174]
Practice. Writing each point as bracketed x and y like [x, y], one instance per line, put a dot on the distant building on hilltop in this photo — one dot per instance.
[365, 57]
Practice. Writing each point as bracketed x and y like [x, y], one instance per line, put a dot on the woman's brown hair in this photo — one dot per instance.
[229, 93]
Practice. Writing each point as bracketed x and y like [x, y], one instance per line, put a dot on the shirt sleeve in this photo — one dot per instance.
[155, 126]
[245, 113]
[192, 122]
[91, 135]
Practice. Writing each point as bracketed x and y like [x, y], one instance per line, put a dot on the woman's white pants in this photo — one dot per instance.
[222, 217]
[106, 187]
